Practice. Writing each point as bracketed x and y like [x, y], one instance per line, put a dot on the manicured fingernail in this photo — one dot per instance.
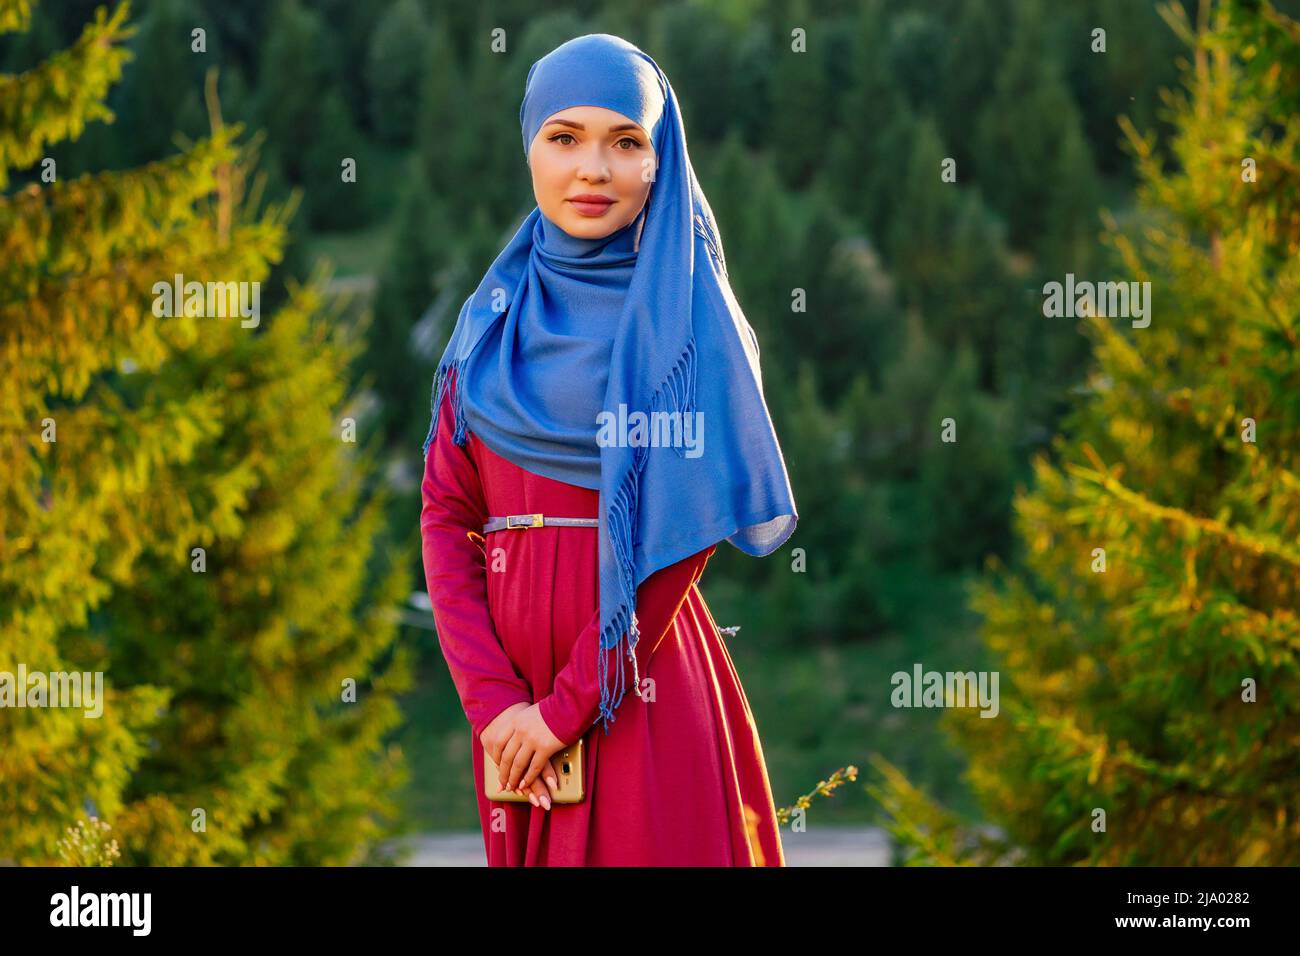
[546, 801]
[532, 799]
[551, 781]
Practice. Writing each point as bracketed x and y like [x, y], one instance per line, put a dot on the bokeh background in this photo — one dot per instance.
[1107, 516]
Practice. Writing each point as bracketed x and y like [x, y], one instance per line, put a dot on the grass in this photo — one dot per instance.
[363, 251]
[356, 253]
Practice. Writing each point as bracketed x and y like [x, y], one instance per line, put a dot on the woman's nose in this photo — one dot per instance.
[593, 165]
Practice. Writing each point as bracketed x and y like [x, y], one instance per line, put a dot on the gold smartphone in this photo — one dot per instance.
[568, 764]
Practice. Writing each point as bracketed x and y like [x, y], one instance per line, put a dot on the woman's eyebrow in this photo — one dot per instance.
[577, 125]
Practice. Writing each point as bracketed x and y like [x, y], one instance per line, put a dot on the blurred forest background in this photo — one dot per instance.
[920, 298]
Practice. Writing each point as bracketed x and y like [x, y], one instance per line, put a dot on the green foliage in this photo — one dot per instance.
[334, 203]
[965, 482]
[56, 100]
[1021, 132]
[1159, 689]
[395, 65]
[291, 80]
[437, 122]
[137, 439]
[420, 253]
[161, 94]
[799, 94]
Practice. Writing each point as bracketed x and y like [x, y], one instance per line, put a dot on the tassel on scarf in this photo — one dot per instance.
[457, 405]
[675, 394]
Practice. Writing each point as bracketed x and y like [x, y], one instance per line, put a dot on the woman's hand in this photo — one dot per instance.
[495, 738]
[527, 753]
[496, 734]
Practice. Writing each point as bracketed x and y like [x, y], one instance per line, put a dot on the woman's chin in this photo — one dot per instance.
[588, 227]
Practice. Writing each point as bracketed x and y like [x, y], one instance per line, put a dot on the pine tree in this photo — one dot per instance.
[965, 476]
[161, 92]
[977, 46]
[407, 287]
[292, 77]
[925, 204]
[1148, 649]
[824, 587]
[395, 68]
[916, 46]
[436, 120]
[799, 93]
[1020, 131]
[698, 49]
[872, 134]
[488, 150]
[335, 203]
[133, 439]
[750, 207]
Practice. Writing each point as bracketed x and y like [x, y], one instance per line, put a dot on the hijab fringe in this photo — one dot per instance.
[457, 406]
[675, 394]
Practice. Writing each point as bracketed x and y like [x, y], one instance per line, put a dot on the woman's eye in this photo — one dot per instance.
[564, 139]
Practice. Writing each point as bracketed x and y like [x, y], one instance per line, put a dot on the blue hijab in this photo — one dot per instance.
[567, 340]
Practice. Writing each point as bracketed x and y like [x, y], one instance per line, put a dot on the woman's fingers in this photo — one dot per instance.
[523, 757]
[539, 764]
[507, 759]
[538, 795]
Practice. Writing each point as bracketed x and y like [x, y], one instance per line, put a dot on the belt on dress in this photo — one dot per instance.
[516, 522]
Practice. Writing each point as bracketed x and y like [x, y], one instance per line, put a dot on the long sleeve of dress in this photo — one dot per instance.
[455, 573]
[573, 704]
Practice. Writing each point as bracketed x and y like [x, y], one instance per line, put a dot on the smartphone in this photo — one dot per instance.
[568, 764]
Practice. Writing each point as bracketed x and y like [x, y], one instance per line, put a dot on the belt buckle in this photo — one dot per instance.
[525, 521]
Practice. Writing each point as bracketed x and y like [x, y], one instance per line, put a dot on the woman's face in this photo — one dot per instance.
[589, 152]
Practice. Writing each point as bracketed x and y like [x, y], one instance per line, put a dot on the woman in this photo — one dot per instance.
[609, 308]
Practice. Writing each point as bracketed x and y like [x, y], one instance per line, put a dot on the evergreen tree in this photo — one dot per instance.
[872, 134]
[294, 73]
[438, 121]
[1071, 224]
[335, 203]
[697, 49]
[969, 65]
[1125, 79]
[799, 95]
[915, 47]
[847, 302]
[352, 25]
[965, 475]
[395, 67]
[1148, 647]
[750, 207]
[895, 441]
[407, 288]
[161, 91]
[924, 207]
[138, 438]
[824, 585]
[1020, 131]
[950, 256]
[489, 153]
[749, 113]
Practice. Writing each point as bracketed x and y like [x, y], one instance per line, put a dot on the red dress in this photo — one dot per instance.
[679, 780]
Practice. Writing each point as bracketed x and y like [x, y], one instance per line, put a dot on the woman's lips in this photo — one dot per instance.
[592, 209]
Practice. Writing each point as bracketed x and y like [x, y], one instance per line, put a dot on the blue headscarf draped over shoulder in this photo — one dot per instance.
[567, 339]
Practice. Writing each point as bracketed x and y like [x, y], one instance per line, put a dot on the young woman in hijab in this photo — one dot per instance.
[610, 307]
